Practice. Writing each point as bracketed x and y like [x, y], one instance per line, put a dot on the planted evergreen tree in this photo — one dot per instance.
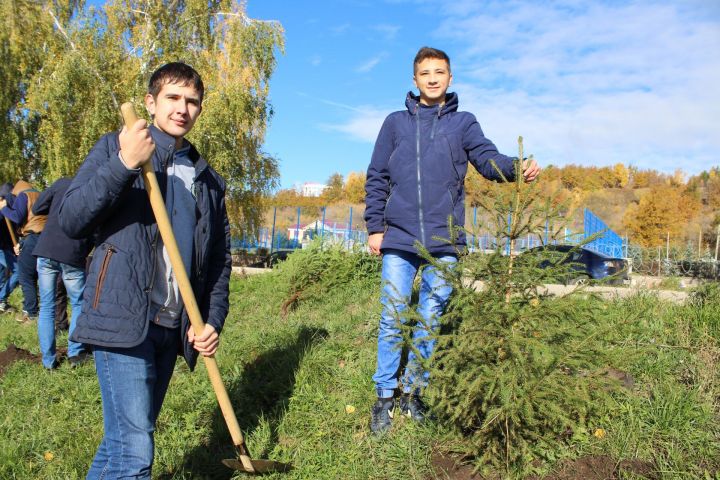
[516, 371]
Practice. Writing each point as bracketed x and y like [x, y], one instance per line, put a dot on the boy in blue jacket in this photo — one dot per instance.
[132, 314]
[415, 183]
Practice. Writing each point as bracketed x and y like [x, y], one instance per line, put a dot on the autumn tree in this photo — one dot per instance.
[90, 60]
[354, 189]
[334, 191]
[663, 209]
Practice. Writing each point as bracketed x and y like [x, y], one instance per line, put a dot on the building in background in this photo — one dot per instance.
[311, 189]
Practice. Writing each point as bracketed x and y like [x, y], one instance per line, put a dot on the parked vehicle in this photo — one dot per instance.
[584, 265]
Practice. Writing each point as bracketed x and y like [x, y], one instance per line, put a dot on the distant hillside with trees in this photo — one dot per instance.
[644, 205]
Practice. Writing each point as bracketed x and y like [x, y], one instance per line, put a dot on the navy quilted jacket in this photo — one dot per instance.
[415, 181]
[108, 200]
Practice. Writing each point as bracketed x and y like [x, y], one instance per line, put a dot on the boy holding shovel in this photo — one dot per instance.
[133, 316]
[415, 183]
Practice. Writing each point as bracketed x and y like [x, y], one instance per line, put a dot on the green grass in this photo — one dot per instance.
[290, 380]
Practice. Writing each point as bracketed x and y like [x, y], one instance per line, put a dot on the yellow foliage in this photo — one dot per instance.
[663, 209]
[354, 189]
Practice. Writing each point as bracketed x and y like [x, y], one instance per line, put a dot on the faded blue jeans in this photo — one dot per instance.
[399, 269]
[133, 382]
[74, 281]
[8, 273]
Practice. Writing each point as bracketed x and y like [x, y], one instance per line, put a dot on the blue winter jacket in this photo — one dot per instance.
[415, 181]
[107, 199]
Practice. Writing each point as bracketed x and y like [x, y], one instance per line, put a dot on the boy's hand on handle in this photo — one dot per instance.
[16, 249]
[530, 170]
[136, 144]
[207, 343]
[375, 242]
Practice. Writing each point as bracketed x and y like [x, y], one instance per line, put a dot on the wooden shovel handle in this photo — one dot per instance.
[13, 237]
[168, 237]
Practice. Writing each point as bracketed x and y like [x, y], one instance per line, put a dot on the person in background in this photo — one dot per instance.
[58, 256]
[16, 205]
[8, 260]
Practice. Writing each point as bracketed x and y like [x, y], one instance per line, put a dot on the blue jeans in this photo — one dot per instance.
[8, 273]
[133, 382]
[74, 280]
[398, 273]
[27, 273]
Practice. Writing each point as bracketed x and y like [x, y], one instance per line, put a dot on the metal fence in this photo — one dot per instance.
[292, 227]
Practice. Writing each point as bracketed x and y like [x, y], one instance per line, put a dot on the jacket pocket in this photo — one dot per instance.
[452, 158]
[101, 276]
[387, 205]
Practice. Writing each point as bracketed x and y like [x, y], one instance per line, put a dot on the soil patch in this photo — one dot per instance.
[601, 467]
[13, 354]
[594, 467]
[447, 466]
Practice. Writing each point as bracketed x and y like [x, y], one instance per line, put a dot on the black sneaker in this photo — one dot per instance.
[6, 307]
[382, 414]
[413, 407]
[79, 359]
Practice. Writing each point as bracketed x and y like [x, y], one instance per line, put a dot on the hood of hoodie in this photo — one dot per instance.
[412, 103]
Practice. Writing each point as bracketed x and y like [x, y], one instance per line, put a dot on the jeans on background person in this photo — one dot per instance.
[8, 273]
[74, 280]
[61, 302]
[133, 382]
[27, 273]
[398, 273]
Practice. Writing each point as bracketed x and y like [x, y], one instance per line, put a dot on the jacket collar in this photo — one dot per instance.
[412, 103]
[165, 144]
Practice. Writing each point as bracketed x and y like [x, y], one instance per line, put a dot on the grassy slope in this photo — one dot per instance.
[291, 379]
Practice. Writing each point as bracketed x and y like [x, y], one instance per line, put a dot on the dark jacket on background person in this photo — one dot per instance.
[415, 180]
[110, 200]
[5, 238]
[53, 242]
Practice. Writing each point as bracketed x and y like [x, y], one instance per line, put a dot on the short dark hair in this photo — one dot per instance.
[175, 72]
[429, 52]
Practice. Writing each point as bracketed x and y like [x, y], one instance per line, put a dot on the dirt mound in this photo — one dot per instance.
[601, 467]
[12, 354]
[594, 467]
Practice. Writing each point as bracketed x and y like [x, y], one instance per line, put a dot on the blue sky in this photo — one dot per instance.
[590, 83]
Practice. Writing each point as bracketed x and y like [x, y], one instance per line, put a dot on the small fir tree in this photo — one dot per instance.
[516, 371]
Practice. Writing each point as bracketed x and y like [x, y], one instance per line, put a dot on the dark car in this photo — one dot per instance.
[577, 265]
[275, 257]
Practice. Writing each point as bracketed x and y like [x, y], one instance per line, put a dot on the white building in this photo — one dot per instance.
[310, 189]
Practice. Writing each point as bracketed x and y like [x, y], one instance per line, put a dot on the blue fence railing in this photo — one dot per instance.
[608, 243]
[350, 231]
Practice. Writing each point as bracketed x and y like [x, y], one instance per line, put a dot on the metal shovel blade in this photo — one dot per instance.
[260, 466]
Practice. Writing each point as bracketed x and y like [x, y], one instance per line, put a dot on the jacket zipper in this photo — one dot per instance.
[101, 277]
[163, 164]
[419, 178]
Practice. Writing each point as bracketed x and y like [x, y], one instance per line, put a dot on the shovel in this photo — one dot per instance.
[243, 463]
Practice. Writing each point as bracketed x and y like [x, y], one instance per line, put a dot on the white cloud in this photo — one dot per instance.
[363, 124]
[596, 84]
[315, 60]
[340, 29]
[388, 31]
[368, 65]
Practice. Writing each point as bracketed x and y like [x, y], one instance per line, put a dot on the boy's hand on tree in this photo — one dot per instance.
[136, 144]
[207, 343]
[530, 170]
[375, 242]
